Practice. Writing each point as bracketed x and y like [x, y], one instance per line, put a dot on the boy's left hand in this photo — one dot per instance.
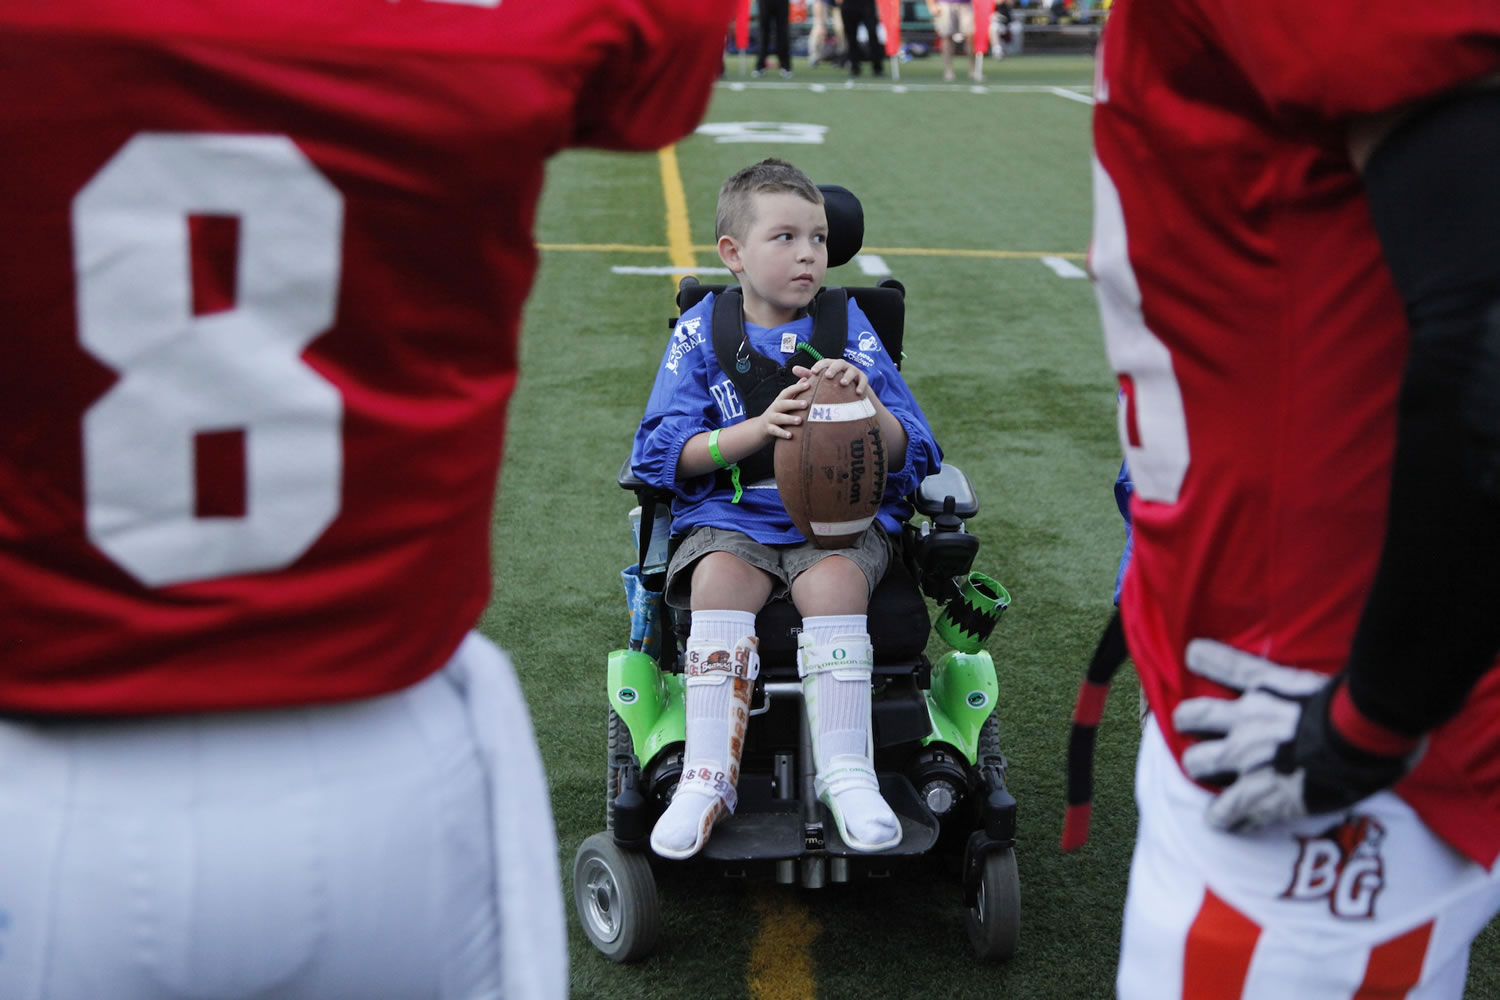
[836, 368]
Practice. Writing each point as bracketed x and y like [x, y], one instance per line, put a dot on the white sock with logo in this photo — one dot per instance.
[717, 702]
[836, 660]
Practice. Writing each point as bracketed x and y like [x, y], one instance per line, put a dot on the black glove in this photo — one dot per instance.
[1276, 747]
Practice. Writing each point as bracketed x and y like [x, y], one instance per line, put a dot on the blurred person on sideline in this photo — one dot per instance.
[263, 281]
[775, 19]
[825, 13]
[857, 13]
[1298, 268]
[953, 20]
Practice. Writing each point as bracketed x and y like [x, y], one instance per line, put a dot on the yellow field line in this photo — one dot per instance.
[682, 255]
[780, 966]
[679, 235]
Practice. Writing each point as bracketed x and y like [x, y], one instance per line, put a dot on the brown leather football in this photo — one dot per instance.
[831, 471]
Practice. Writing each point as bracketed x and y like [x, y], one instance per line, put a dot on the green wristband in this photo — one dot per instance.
[713, 449]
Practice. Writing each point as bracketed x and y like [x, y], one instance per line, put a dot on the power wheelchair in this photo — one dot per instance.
[936, 738]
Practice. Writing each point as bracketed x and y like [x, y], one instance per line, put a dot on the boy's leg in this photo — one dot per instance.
[720, 672]
[835, 660]
[720, 667]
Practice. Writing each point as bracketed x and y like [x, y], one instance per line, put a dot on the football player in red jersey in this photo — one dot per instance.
[260, 282]
[1297, 256]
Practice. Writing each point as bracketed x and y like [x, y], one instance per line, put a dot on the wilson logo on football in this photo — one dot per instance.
[1343, 866]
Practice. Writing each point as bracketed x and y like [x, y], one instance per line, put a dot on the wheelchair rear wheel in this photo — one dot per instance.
[614, 893]
[994, 921]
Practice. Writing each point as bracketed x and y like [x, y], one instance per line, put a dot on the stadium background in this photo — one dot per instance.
[977, 199]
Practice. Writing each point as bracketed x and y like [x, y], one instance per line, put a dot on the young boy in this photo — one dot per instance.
[741, 548]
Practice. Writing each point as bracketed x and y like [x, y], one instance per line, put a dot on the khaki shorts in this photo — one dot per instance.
[954, 19]
[872, 554]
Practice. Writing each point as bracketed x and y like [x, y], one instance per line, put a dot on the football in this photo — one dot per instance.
[831, 471]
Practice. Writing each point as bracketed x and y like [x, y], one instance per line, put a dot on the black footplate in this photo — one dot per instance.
[919, 828]
[770, 832]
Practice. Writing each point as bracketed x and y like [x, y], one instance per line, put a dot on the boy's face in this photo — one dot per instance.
[782, 259]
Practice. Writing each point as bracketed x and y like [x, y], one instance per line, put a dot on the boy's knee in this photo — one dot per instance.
[724, 581]
[835, 585]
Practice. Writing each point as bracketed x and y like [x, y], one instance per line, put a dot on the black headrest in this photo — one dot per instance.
[846, 223]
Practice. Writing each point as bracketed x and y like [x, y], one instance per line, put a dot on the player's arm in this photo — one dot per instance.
[1431, 625]
[653, 83]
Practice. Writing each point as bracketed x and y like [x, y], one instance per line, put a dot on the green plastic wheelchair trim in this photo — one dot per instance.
[648, 701]
[963, 695]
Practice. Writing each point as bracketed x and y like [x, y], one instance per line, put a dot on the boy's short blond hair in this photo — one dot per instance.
[770, 176]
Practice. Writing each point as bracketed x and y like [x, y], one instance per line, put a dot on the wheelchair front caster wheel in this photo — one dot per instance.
[615, 895]
[994, 921]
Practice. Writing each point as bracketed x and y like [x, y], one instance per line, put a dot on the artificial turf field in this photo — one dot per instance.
[977, 199]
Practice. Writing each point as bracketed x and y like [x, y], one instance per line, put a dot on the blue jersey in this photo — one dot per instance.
[692, 394]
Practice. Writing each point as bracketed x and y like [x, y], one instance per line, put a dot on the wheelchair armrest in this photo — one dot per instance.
[935, 490]
[944, 550]
[643, 490]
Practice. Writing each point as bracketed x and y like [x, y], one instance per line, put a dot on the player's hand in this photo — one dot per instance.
[1274, 747]
[836, 368]
[785, 411]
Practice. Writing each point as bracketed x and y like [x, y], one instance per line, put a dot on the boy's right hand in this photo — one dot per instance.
[785, 411]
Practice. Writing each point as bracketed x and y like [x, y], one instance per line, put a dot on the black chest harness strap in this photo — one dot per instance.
[758, 379]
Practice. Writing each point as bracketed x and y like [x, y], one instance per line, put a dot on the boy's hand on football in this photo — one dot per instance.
[785, 410]
[836, 368]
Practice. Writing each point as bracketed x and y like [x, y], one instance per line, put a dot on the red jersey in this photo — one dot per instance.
[1260, 341]
[261, 278]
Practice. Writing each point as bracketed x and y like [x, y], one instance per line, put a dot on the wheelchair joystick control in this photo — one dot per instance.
[948, 520]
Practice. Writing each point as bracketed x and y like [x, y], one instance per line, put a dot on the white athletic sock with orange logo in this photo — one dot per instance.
[720, 664]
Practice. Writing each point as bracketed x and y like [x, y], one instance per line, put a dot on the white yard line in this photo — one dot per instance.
[622, 269]
[1078, 94]
[1071, 95]
[1064, 268]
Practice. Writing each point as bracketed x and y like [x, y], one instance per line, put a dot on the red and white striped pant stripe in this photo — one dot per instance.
[1361, 906]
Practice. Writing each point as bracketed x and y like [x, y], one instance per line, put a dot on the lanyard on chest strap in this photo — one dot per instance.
[757, 378]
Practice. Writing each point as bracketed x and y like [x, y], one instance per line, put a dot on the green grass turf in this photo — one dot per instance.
[1006, 359]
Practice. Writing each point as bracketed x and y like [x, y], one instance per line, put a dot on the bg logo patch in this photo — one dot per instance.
[1343, 866]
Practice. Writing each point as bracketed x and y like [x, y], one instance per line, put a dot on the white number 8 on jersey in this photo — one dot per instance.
[183, 375]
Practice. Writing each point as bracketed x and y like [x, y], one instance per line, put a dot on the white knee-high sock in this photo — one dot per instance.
[715, 705]
[838, 703]
[843, 722]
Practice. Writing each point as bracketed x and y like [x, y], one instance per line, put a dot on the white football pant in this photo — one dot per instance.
[1356, 905]
[393, 848]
